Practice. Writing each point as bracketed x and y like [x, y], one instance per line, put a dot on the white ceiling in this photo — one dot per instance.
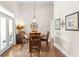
[15, 6]
[28, 2]
[36, 2]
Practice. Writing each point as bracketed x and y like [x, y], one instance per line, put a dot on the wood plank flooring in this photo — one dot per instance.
[16, 52]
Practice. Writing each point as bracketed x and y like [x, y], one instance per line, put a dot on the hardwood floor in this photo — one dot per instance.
[16, 52]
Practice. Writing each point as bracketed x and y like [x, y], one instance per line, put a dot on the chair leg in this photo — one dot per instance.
[31, 50]
[30, 54]
[47, 45]
[21, 46]
[39, 51]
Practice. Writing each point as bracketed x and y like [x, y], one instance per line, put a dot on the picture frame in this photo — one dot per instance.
[57, 24]
[72, 22]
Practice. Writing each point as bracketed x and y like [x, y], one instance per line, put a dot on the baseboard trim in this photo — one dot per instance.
[61, 50]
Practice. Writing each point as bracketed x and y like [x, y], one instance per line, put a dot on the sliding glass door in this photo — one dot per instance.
[3, 31]
[10, 31]
[6, 32]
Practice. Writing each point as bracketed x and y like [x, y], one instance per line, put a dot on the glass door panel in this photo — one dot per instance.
[3, 32]
[10, 31]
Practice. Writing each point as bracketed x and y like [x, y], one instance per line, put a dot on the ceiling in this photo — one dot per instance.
[36, 2]
[28, 2]
[15, 6]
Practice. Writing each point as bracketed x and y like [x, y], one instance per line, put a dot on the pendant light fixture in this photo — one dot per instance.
[34, 24]
[34, 17]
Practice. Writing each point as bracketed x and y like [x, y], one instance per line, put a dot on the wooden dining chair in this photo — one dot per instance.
[45, 39]
[22, 40]
[34, 42]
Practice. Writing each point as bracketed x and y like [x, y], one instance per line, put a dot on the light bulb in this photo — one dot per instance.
[34, 20]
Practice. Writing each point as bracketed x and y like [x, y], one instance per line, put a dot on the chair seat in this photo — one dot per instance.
[43, 39]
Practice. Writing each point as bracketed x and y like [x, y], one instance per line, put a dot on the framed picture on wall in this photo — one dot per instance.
[57, 24]
[72, 22]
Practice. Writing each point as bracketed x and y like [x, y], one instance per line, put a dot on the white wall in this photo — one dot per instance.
[43, 11]
[67, 41]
